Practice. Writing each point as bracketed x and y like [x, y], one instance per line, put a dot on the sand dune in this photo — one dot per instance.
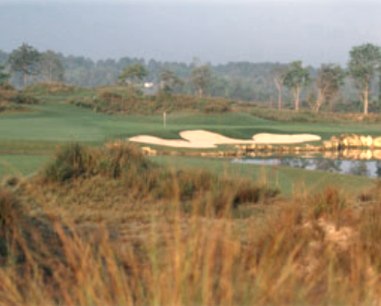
[201, 139]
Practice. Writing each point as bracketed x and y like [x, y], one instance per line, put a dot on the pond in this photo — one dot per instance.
[370, 168]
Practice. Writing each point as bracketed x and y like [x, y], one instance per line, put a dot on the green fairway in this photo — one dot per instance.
[26, 139]
[61, 123]
[20, 164]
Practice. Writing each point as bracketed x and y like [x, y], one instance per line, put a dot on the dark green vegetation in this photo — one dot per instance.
[115, 100]
[328, 87]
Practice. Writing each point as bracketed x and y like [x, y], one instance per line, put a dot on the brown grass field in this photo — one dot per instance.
[108, 227]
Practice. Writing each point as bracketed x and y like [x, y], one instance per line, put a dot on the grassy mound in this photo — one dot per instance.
[144, 179]
[76, 161]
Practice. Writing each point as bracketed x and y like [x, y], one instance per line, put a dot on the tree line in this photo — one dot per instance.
[281, 85]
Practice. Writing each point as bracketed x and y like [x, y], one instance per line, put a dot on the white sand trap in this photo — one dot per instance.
[170, 142]
[197, 139]
[265, 138]
[201, 139]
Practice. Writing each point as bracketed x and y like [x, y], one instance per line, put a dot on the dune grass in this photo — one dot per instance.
[130, 247]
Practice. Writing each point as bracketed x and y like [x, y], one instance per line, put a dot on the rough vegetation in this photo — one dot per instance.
[12, 100]
[308, 116]
[143, 179]
[95, 239]
[130, 101]
[106, 226]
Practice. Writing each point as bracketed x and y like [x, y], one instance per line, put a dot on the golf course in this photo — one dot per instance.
[190, 153]
[30, 138]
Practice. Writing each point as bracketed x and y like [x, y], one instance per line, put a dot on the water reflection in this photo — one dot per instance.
[370, 168]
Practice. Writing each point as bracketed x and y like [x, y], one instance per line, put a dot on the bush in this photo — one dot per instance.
[217, 107]
[75, 161]
[129, 101]
[50, 88]
[24, 99]
[7, 86]
[71, 162]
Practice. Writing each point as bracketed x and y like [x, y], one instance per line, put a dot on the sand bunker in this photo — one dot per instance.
[265, 138]
[201, 139]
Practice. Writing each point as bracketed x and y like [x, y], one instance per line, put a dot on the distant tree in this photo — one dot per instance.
[379, 84]
[295, 79]
[133, 73]
[24, 60]
[219, 87]
[278, 76]
[363, 64]
[201, 78]
[169, 81]
[4, 77]
[3, 57]
[329, 79]
[51, 67]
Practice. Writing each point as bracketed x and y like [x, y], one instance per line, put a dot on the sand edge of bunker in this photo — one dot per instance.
[203, 139]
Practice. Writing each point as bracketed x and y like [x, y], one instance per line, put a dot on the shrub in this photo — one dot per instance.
[24, 99]
[247, 192]
[217, 107]
[130, 101]
[124, 160]
[7, 86]
[75, 161]
[71, 161]
[50, 88]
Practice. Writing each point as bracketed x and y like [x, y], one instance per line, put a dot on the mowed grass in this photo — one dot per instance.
[290, 181]
[27, 138]
[19, 164]
[62, 123]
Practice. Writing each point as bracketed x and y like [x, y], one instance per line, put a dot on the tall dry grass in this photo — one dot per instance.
[315, 249]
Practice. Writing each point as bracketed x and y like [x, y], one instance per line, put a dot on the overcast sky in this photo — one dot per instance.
[215, 31]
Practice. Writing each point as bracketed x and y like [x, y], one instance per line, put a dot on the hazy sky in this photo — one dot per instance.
[218, 31]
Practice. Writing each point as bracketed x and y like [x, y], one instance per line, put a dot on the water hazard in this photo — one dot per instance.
[370, 168]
